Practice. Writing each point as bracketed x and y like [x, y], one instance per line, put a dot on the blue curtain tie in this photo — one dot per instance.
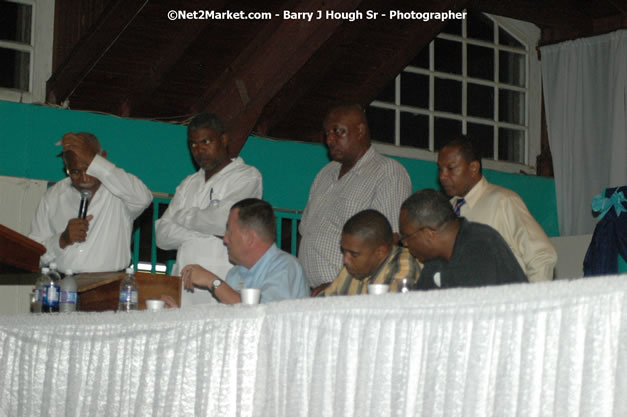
[604, 204]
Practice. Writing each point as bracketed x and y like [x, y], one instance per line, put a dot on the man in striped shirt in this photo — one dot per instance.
[370, 257]
[356, 179]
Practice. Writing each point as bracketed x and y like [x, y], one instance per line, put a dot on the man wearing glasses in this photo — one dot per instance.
[455, 252]
[357, 178]
[112, 199]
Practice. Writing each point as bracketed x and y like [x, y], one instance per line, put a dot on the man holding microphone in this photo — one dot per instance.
[85, 220]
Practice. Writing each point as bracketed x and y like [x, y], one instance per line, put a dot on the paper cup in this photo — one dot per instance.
[250, 295]
[378, 289]
[155, 305]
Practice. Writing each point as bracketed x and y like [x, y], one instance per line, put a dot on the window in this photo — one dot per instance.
[25, 48]
[478, 77]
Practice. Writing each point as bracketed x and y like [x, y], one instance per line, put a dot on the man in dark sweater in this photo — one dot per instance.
[455, 252]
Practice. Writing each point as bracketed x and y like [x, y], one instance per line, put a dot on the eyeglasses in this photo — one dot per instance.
[339, 131]
[75, 172]
[405, 237]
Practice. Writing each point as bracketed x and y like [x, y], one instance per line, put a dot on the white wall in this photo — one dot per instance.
[19, 198]
[571, 250]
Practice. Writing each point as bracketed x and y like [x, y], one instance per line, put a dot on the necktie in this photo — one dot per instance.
[458, 205]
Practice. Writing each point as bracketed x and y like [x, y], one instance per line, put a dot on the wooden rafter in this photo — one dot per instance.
[86, 54]
[261, 71]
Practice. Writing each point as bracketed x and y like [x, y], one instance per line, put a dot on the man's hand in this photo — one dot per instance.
[196, 276]
[75, 231]
[169, 301]
[83, 149]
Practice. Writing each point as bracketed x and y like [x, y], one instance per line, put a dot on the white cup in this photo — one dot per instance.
[250, 295]
[378, 289]
[154, 304]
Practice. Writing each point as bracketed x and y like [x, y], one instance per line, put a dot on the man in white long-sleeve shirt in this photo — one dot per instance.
[195, 220]
[101, 241]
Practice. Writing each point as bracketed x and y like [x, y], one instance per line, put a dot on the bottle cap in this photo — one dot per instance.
[129, 271]
[53, 265]
[45, 270]
[69, 272]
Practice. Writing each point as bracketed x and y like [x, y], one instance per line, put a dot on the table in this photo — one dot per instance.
[544, 349]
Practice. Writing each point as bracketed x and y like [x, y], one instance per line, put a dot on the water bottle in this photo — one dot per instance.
[51, 291]
[39, 290]
[128, 292]
[69, 295]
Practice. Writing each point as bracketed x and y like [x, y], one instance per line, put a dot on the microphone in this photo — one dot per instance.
[82, 210]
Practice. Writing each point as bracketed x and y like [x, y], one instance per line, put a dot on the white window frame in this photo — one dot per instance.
[528, 34]
[40, 49]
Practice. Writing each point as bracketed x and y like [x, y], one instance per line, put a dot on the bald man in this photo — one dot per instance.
[357, 178]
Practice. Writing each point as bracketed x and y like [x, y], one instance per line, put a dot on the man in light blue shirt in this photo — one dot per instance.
[249, 238]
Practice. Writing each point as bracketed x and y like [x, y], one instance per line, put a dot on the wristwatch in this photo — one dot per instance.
[215, 284]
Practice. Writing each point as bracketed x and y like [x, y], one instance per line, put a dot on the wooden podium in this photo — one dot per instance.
[101, 291]
[18, 253]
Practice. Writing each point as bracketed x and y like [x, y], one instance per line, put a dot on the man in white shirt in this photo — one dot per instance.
[100, 241]
[195, 220]
[474, 198]
[357, 178]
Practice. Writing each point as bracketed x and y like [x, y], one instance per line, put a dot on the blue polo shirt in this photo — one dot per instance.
[277, 274]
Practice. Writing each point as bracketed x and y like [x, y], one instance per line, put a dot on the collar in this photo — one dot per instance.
[395, 250]
[473, 196]
[365, 158]
[235, 162]
[265, 258]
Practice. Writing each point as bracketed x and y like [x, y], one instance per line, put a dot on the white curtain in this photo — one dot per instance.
[585, 94]
[547, 349]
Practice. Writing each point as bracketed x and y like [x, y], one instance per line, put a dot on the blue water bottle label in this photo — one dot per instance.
[51, 296]
[69, 297]
[128, 296]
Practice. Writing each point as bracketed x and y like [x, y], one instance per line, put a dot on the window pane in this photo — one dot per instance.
[15, 22]
[15, 69]
[454, 27]
[507, 39]
[388, 92]
[445, 130]
[480, 101]
[479, 26]
[381, 124]
[512, 106]
[480, 62]
[414, 130]
[512, 68]
[448, 56]
[422, 59]
[512, 145]
[415, 90]
[483, 136]
[448, 95]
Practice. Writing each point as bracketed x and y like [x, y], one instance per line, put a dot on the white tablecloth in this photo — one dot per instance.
[547, 349]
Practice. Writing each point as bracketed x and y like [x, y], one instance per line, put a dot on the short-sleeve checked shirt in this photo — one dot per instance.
[397, 266]
[375, 182]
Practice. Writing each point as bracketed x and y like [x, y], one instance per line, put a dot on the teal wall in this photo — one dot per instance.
[157, 154]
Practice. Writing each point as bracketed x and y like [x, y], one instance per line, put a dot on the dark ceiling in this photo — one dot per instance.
[276, 77]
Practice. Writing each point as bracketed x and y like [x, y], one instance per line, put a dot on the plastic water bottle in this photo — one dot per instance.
[39, 290]
[69, 295]
[51, 291]
[128, 292]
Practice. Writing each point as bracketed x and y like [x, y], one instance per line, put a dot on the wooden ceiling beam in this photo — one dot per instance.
[261, 70]
[165, 60]
[89, 50]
